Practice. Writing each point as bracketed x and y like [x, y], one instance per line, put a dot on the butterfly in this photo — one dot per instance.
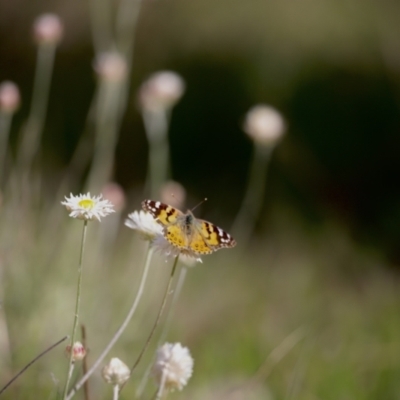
[186, 232]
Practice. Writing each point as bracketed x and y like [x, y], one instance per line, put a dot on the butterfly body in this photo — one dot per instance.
[186, 232]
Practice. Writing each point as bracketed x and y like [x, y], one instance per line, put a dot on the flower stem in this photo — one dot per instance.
[156, 127]
[32, 362]
[164, 302]
[77, 304]
[166, 327]
[32, 131]
[121, 328]
[115, 392]
[252, 203]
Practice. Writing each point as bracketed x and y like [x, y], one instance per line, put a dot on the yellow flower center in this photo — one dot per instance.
[87, 203]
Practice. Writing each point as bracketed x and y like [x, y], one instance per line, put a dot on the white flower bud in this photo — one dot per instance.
[161, 91]
[78, 351]
[9, 97]
[111, 66]
[116, 372]
[264, 124]
[48, 29]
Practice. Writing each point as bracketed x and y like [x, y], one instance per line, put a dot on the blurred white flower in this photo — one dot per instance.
[145, 224]
[264, 124]
[78, 351]
[86, 207]
[173, 366]
[111, 66]
[161, 91]
[9, 97]
[48, 29]
[116, 372]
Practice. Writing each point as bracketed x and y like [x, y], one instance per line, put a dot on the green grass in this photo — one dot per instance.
[234, 311]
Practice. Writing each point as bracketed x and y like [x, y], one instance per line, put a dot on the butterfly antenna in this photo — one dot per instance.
[199, 204]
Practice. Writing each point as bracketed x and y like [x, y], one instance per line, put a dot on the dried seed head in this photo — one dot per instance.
[264, 124]
[9, 97]
[161, 91]
[78, 351]
[48, 29]
[116, 372]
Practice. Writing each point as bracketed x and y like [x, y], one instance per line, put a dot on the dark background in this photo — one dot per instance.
[331, 67]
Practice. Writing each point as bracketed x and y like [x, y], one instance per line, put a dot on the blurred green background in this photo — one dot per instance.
[331, 67]
[325, 253]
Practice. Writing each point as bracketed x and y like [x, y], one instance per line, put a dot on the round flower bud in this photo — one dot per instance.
[161, 91]
[78, 351]
[264, 124]
[173, 193]
[9, 97]
[111, 66]
[116, 372]
[48, 29]
[173, 366]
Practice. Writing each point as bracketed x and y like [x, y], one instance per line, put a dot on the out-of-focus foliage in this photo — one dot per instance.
[332, 67]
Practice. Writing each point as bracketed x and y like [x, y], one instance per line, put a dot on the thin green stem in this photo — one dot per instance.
[160, 312]
[156, 126]
[164, 302]
[5, 126]
[121, 328]
[167, 325]
[253, 199]
[32, 362]
[31, 134]
[77, 305]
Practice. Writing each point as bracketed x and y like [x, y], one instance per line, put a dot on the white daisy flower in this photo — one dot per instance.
[116, 372]
[86, 207]
[145, 224]
[173, 366]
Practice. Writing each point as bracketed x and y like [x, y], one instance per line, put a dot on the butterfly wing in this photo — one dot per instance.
[208, 236]
[170, 218]
[204, 237]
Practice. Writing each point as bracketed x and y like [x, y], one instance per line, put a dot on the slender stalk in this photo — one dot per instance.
[121, 328]
[160, 312]
[100, 12]
[108, 117]
[115, 392]
[167, 325]
[125, 26]
[77, 305]
[32, 362]
[156, 126]
[164, 302]
[31, 134]
[252, 203]
[5, 125]
[85, 363]
[276, 355]
[162, 386]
